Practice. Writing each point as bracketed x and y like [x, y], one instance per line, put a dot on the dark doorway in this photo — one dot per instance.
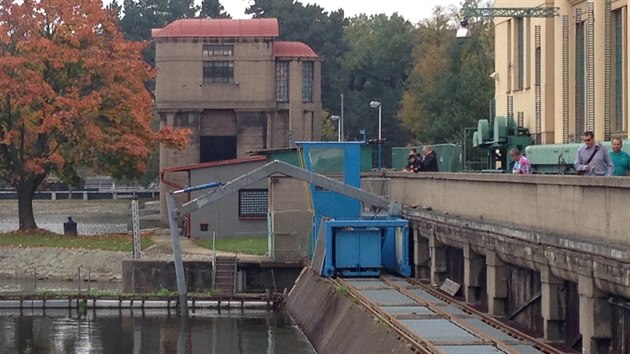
[217, 148]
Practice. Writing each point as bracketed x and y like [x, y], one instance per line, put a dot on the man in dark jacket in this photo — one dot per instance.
[430, 162]
[413, 161]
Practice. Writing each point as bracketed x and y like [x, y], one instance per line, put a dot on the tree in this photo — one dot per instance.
[375, 68]
[213, 9]
[72, 96]
[449, 89]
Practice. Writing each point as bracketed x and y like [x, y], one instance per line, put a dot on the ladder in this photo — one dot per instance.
[225, 275]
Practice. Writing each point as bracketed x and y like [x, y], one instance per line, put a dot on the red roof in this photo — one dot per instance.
[214, 164]
[219, 28]
[293, 50]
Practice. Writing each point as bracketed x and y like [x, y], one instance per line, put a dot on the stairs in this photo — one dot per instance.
[225, 275]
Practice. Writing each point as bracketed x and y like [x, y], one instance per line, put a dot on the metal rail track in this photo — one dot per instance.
[419, 345]
[489, 320]
[422, 345]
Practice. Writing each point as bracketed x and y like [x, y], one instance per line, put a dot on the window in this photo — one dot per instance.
[520, 32]
[282, 81]
[619, 70]
[579, 81]
[307, 81]
[221, 72]
[253, 203]
[218, 50]
[217, 148]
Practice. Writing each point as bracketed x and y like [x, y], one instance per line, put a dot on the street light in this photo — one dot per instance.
[338, 119]
[379, 105]
[463, 31]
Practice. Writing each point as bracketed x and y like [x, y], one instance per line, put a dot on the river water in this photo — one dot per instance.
[106, 332]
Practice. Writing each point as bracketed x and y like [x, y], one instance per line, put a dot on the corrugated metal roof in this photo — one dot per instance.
[214, 164]
[282, 49]
[219, 28]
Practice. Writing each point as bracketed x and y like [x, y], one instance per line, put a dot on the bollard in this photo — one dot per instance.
[70, 227]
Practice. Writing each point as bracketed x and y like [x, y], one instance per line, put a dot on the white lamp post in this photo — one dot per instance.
[338, 119]
[377, 104]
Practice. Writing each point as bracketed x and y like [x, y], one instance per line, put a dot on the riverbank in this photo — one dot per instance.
[99, 265]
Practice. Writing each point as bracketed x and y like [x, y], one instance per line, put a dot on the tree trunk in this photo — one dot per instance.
[25, 193]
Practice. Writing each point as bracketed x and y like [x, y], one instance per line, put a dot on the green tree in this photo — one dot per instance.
[213, 9]
[448, 89]
[376, 67]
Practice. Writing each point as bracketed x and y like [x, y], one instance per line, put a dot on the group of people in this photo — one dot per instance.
[593, 159]
[427, 162]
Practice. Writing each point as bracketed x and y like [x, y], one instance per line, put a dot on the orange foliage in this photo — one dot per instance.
[72, 91]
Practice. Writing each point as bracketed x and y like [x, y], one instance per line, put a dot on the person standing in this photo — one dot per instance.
[620, 159]
[430, 162]
[521, 163]
[592, 158]
[413, 161]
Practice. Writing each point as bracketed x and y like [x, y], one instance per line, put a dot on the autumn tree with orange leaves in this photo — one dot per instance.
[72, 95]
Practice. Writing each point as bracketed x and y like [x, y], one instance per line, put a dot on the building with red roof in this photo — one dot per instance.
[236, 86]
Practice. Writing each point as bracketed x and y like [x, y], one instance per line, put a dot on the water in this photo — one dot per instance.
[92, 217]
[110, 332]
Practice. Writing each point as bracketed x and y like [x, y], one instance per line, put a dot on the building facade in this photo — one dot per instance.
[236, 87]
[562, 75]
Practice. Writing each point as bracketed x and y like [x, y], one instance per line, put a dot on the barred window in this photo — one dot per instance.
[307, 81]
[218, 72]
[253, 203]
[218, 50]
[282, 81]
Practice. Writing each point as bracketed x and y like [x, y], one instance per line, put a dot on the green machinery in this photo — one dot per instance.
[498, 137]
[558, 158]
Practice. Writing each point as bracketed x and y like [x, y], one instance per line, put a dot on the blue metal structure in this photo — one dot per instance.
[364, 247]
[354, 245]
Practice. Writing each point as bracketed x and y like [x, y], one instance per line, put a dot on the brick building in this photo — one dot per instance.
[236, 86]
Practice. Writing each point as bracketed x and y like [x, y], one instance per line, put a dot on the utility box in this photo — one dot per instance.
[358, 252]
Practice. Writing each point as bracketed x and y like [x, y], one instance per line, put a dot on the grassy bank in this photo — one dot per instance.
[247, 245]
[43, 238]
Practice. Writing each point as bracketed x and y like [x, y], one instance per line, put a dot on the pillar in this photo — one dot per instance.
[497, 284]
[421, 255]
[553, 305]
[473, 270]
[595, 317]
[438, 260]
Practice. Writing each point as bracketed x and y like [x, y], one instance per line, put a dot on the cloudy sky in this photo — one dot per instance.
[413, 10]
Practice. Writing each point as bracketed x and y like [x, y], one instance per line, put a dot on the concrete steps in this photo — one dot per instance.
[225, 275]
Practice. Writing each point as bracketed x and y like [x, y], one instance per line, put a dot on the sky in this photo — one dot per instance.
[413, 10]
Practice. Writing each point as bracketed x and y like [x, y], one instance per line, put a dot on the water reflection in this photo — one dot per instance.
[111, 332]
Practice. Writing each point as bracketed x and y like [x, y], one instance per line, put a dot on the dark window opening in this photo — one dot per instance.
[308, 69]
[520, 30]
[221, 72]
[217, 148]
[203, 227]
[218, 50]
[282, 81]
[619, 70]
[253, 204]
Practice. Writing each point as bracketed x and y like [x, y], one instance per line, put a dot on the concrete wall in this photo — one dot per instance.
[291, 219]
[334, 324]
[147, 276]
[558, 232]
[223, 216]
[506, 66]
[578, 207]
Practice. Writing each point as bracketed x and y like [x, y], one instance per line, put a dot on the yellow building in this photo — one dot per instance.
[562, 75]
